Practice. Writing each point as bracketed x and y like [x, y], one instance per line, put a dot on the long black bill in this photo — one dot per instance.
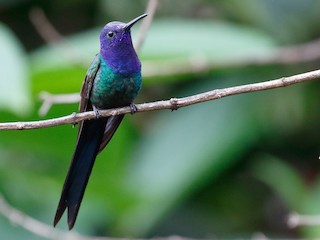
[132, 22]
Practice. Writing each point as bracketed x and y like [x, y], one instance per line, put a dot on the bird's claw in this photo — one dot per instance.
[133, 108]
[96, 113]
[74, 114]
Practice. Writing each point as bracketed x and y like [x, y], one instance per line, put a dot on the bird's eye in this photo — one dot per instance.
[110, 34]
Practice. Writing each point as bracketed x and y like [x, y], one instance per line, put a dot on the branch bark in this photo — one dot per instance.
[52, 37]
[297, 220]
[34, 226]
[49, 99]
[151, 10]
[173, 103]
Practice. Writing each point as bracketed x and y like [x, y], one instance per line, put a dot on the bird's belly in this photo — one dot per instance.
[112, 92]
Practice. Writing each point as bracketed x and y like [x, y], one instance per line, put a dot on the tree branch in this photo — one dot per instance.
[52, 37]
[151, 10]
[173, 103]
[34, 226]
[49, 99]
[296, 220]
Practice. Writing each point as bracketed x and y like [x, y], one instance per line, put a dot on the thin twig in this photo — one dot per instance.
[259, 236]
[295, 220]
[49, 99]
[173, 103]
[34, 226]
[44, 230]
[305, 52]
[51, 36]
[151, 10]
[43, 26]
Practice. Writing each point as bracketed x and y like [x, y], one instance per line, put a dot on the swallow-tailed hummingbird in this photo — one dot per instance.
[112, 80]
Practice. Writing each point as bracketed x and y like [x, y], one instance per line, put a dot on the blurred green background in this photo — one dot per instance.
[231, 168]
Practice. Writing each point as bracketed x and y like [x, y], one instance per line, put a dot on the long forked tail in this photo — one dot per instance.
[92, 134]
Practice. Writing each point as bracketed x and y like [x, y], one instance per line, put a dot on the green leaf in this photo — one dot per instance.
[14, 86]
[282, 178]
[283, 19]
[214, 40]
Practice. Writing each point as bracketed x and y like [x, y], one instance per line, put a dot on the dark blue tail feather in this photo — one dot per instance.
[88, 144]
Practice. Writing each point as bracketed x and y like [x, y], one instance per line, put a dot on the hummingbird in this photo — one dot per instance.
[112, 80]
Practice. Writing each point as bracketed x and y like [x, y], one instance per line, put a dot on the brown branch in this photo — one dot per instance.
[43, 26]
[173, 103]
[306, 52]
[34, 226]
[51, 36]
[49, 99]
[150, 10]
[296, 220]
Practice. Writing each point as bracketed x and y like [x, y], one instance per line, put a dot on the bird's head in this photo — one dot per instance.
[117, 34]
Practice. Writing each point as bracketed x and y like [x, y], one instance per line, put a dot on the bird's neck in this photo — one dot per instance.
[122, 59]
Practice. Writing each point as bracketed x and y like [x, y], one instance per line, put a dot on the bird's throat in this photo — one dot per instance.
[122, 60]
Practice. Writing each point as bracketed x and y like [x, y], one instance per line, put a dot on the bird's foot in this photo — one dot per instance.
[74, 114]
[133, 108]
[96, 112]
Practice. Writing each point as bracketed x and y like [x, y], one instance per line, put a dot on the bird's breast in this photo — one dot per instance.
[111, 90]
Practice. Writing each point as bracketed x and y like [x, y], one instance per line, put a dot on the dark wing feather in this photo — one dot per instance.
[111, 127]
[86, 88]
[88, 83]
